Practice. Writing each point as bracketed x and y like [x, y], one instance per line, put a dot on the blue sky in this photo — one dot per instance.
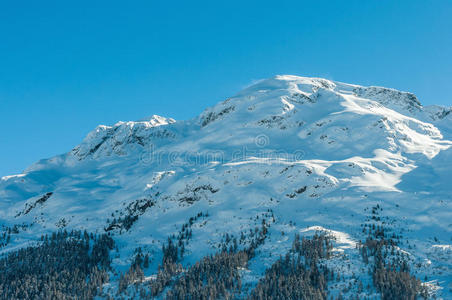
[67, 66]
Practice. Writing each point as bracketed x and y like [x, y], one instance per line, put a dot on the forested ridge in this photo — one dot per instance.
[65, 265]
[77, 265]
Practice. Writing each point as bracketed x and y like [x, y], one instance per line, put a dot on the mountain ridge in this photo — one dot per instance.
[317, 153]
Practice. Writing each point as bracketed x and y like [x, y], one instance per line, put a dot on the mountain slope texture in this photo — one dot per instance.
[297, 187]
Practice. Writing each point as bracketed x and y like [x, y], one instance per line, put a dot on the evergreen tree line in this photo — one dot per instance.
[67, 265]
[217, 276]
[135, 273]
[7, 231]
[170, 267]
[172, 255]
[300, 274]
[389, 267]
[214, 277]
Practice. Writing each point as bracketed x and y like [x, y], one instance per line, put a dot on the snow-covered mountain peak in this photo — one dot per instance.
[325, 116]
[156, 120]
[391, 98]
[331, 117]
[124, 137]
[315, 153]
[321, 114]
[270, 98]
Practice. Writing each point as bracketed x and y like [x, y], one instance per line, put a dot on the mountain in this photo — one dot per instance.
[293, 155]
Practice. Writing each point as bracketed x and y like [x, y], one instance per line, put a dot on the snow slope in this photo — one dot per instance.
[317, 153]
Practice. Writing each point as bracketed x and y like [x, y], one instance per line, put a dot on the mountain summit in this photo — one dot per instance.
[299, 155]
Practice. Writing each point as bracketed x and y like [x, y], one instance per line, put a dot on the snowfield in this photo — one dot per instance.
[318, 154]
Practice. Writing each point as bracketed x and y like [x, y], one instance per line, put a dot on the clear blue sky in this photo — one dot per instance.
[67, 66]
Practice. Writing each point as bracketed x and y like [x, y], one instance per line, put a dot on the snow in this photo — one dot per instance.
[5, 178]
[317, 153]
[343, 240]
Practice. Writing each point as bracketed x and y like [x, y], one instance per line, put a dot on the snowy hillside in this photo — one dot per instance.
[306, 155]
